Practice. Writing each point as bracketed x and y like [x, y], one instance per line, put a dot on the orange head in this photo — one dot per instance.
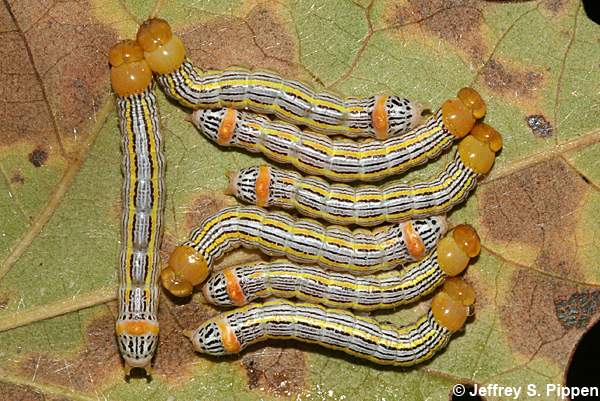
[459, 114]
[216, 337]
[186, 268]
[224, 289]
[453, 304]
[478, 150]
[163, 51]
[137, 339]
[454, 251]
[129, 73]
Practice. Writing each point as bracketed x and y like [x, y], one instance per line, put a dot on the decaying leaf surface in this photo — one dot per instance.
[537, 280]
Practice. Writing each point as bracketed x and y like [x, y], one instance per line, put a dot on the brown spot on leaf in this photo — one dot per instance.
[4, 299]
[511, 81]
[258, 40]
[529, 318]
[555, 6]
[539, 125]
[38, 157]
[20, 392]
[17, 178]
[577, 309]
[538, 206]
[458, 22]
[190, 314]
[277, 371]
[206, 204]
[89, 367]
[175, 355]
[53, 70]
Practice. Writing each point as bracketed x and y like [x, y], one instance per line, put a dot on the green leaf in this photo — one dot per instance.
[535, 63]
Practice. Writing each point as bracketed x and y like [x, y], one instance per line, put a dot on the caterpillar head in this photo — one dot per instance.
[251, 185]
[215, 337]
[459, 114]
[456, 250]
[223, 289]
[478, 150]
[453, 304]
[393, 114]
[129, 73]
[186, 268]
[422, 235]
[137, 341]
[218, 125]
[163, 51]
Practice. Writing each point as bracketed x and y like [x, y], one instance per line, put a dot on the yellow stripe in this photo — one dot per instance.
[273, 107]
[288, 251]
[131, 195]
[370, 198]
[328, 281]
[279, 86]
[365, 198]
[282, 226]
[342, 176]
[153, 152]
[343, 330]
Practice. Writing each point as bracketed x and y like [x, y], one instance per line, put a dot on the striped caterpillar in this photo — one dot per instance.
[343, 160]
[363, 337]
[301, 240]
[239, 285]
[143, 199]
[370, 205]
[268, 93]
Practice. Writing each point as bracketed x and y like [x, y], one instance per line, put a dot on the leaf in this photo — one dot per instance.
[537, 281]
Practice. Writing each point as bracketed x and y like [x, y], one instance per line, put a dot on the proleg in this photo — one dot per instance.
[343, 159]
[143, 199]
[300, 240]
[363, 337]
[370, 205]
[240, 285]
[264, 92]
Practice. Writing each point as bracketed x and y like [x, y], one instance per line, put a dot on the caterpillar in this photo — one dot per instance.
[363, 337]
[265, 92]
[370, 205]
[239, 285]
[143, 200]
[300, 240]
[343, 159]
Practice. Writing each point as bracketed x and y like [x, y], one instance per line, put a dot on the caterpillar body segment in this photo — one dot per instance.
[341, 159]
[291, 101]
[239, 285]
[363, 337]
[143, 202]
[265, 92]
[300, 240]
[367, 205]
[337, 159]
